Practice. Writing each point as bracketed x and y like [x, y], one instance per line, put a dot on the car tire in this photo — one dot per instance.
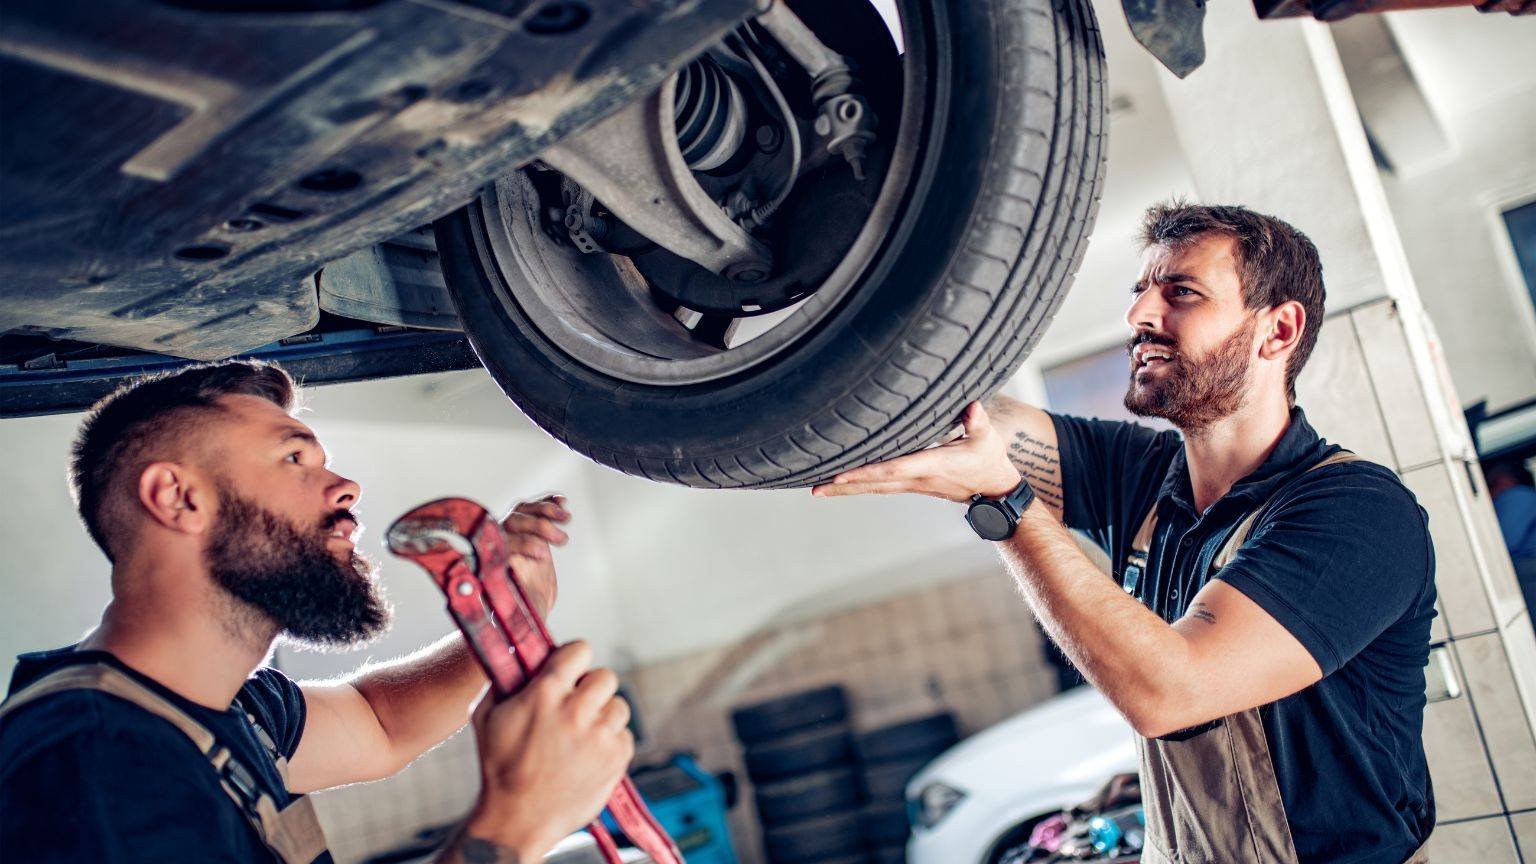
[796, 712]
[886, 782]
[885, 824]
[800, 798]
[925, 735]
[799, 753]
[979, 253]
[815, 840]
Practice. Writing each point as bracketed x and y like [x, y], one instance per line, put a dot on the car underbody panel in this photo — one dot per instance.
[164, 192]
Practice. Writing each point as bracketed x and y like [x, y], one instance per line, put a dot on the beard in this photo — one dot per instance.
[289, 576]
[1194, 394]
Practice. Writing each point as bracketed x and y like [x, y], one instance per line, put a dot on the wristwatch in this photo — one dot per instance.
[996, 518]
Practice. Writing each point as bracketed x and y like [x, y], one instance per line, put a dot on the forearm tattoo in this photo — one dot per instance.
[473, 850]
[1040, 463]
[1202, 612]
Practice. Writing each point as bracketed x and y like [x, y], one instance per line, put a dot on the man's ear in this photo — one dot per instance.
[1283, 326]
[174, 498]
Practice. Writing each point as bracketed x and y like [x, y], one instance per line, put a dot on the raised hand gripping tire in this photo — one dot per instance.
[986, 237]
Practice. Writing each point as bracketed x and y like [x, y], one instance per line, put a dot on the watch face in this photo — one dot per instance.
[989, 521]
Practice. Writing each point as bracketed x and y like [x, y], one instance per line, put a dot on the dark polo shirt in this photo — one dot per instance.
[89, 777]
[1342, 559]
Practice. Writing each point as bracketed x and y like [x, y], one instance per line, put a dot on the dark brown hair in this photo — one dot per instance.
[146, 420]
[1275, 262]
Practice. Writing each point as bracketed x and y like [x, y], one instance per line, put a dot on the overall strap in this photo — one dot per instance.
[1141, 544]
[292, 833]
[1245, 527]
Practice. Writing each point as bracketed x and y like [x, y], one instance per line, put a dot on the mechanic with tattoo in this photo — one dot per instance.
[1267, 626]
[161, 736]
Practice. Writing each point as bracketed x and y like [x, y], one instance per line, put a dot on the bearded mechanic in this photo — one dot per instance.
[1272, 666]
[226, 530]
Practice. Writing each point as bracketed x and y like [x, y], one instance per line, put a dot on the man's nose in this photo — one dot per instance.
[1146, 312]
[343, 493]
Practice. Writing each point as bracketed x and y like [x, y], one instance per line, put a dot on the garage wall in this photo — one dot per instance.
[54, 580]
[968, 646]
[1476, 74]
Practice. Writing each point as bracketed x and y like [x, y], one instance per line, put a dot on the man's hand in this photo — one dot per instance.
[532, 528]
[549, 758]
[975, 463]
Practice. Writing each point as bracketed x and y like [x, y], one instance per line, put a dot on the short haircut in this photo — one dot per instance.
[146, 420]
[1275, 262]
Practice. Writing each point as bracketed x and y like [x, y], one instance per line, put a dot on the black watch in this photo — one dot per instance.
[996, 518]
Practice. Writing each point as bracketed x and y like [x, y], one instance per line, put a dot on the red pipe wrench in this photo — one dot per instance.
[463, 548]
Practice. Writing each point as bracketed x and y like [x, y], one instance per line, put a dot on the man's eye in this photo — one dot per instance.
[294, 457]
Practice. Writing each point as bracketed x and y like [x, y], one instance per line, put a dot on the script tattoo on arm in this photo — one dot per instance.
[1202, 612]
[1040, 463]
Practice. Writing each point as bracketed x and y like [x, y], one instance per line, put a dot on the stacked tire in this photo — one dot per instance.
[799, 756]
[888, 758]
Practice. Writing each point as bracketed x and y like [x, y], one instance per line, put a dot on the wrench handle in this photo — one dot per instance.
[466, 553]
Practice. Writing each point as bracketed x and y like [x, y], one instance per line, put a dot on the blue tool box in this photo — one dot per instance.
[690, 803]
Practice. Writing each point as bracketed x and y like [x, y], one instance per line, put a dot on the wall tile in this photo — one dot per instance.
[1462, 596]
[962, 606]
[1502, 717]
[1458, 764]
[1397, 386]
[364, 819]
[1520, 646]
[1003, 647]
[1480, 841]
[1525, 833]
[1335, 389]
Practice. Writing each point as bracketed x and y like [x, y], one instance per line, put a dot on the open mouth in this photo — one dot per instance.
[343, 530]
[1147, 355]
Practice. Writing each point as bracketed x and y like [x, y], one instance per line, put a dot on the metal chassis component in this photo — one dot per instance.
[173, 173]
[631, 162]
[55, 384]
[843, 118]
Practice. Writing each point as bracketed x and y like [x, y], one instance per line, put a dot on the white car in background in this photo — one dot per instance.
[984, 795]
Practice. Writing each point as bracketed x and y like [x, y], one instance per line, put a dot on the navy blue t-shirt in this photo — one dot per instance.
[1342, 559]
[86, 776]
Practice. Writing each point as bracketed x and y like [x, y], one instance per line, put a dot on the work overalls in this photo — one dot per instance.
[292, 833]
[1209, 793]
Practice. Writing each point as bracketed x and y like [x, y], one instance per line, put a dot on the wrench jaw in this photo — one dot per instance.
[439, 534]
